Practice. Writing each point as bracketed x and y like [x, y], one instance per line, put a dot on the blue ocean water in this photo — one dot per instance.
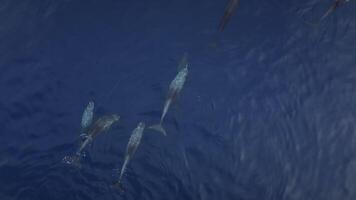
[269, 113]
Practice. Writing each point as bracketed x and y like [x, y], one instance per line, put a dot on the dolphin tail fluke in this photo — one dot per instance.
[159, 128]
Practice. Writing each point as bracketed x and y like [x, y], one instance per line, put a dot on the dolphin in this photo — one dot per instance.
[332, 8]
[101, 125]
[174, 89]
[131, 148]
[229, 11]
[87, 117]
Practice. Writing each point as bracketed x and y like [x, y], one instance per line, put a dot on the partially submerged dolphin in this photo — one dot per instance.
[333, 7]
[131, 148]
[229, 11]
[101, 125]
[174, 89]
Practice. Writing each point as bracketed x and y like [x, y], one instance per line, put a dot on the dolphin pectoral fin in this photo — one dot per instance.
[159, 128]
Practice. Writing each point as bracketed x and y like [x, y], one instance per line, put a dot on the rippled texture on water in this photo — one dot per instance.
[267, 114]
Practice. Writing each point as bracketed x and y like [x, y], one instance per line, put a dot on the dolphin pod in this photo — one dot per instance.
[90, 130]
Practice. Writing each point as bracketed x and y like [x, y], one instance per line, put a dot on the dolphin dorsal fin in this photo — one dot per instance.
[183, 62]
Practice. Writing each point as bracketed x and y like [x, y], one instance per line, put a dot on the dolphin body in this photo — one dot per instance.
[101, 125]
[131, 148]
[229, 11]
[332, 8]
[174, 89]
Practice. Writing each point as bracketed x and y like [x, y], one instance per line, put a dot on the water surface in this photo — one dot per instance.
[268, 114]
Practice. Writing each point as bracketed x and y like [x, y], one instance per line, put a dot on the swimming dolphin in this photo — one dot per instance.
[87, 117]
[333, 7]
[229, 11]
[131, 148]
[101, 125]
[174, 89]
